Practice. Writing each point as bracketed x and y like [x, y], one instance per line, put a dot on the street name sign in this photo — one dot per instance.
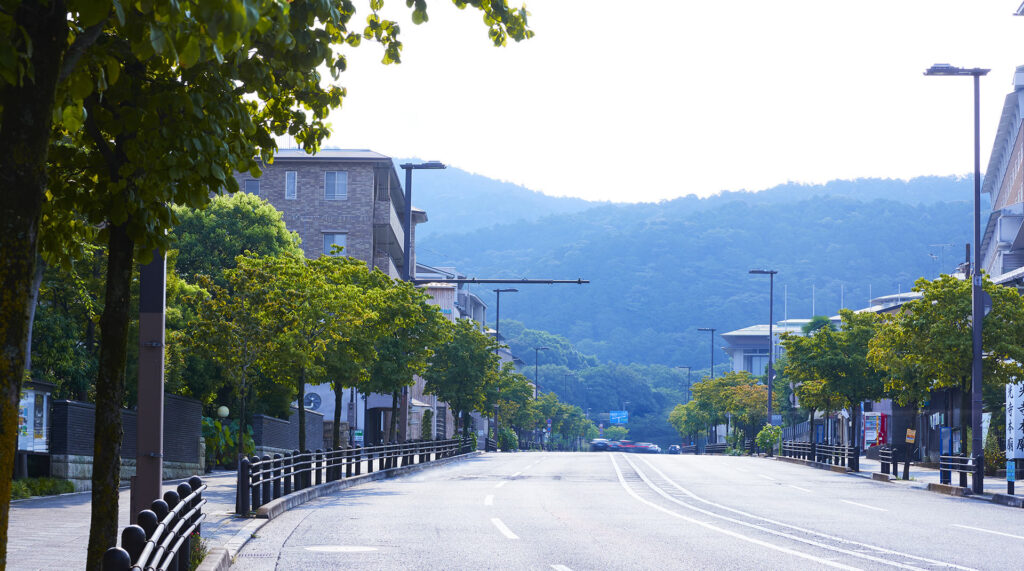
[618, 417]
[1014, 421]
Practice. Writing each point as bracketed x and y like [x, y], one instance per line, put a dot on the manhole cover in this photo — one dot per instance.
[341, 548]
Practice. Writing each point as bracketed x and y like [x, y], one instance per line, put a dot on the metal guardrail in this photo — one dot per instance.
[162, 539]
[833, 454]
[691, 449]
[715, 448]
[262, 480]
[960, 464]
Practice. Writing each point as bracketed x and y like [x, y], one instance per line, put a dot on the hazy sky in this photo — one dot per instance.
[646, 100]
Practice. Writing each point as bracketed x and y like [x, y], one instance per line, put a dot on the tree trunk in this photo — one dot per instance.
[25, 128]
[393, 425]
[300, 387]
[110, 391]
[336, 429]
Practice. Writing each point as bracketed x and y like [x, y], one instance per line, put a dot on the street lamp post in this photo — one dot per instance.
[407, 269]
[536, 370]
[977, 295]
[771, 337]
[497, 311]
[712, 330]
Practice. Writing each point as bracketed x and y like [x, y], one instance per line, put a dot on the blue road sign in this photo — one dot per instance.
[618, 417]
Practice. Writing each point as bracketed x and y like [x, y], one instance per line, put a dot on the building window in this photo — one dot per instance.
[289, 185]
[252, 187]
[335, 185]
[334, 239]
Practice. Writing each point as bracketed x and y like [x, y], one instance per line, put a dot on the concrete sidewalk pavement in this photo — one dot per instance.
[53, 532]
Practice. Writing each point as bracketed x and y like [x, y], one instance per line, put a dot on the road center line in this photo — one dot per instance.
[724, 531]
[560, 568]
[767, 477]
[799, 488]
[843, 540]
[864, 506]
[503, 528]
[517, 474]
[988, 531]
[489, 500]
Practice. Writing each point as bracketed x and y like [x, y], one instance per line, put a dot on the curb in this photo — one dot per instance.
[818, 465]
[948, 489]
[220, 558]
[880, 477]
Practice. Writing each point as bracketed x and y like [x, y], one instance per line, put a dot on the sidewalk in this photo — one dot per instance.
[53, 532]
[921, 476]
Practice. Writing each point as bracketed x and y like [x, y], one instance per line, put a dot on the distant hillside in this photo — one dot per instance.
[660, 271]
[457, 200]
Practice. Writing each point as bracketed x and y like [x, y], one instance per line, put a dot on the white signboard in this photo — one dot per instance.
[1014, 421]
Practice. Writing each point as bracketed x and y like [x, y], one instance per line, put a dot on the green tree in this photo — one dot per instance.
[209, 239]
[240, 326]
[616, 432]
[927, 344]
[419, 328]
[461, 370]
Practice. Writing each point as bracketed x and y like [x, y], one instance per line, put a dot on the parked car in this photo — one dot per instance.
[598, 444]
[675, 449]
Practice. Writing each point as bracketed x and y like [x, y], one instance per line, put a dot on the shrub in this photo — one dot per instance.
[427, 425]
[199, 549]
[21, 489]
[507, 439]
[221, 449]
[995, 456]
[769, 437]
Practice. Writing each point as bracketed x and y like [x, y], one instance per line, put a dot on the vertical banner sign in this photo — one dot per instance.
[1014, 421]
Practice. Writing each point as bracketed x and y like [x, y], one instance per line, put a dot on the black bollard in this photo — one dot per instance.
[318, 464]
[242, 489]
[133, 540]
[116, 559]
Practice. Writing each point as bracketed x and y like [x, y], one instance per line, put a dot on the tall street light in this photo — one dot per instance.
[771, 338]
[712, 330]
[977, 295]
[536, 370]
[497, 314]
[407, 269]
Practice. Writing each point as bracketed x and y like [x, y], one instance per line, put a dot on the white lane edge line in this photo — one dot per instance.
[801, 529]
[503, 528]
[501, 483]
[767, 477]
[799, 488]
[987, 531]
[489, 500]
[706, 525]
[516, 475]
[560, 568]
[864, 506]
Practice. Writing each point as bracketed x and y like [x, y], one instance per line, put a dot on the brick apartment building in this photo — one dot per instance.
[350, 198]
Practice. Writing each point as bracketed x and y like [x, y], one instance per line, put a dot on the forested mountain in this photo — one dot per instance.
[660, 271]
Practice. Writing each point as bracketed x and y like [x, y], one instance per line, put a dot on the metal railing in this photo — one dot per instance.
[832, 454]
[688, 449]
[960, 464]
[162, 538]
[262, 480]
[715, 448]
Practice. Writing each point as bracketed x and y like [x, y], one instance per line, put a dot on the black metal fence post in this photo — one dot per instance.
[277, 476]
[254, 485]
[242, 488]
[318, 463]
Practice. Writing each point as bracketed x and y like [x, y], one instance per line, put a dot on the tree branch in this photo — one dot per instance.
[81, 44]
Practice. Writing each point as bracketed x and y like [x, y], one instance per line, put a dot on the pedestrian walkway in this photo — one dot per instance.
[53, 532]
[921, 476]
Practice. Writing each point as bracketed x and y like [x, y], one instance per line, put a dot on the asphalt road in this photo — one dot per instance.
[626, 511]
